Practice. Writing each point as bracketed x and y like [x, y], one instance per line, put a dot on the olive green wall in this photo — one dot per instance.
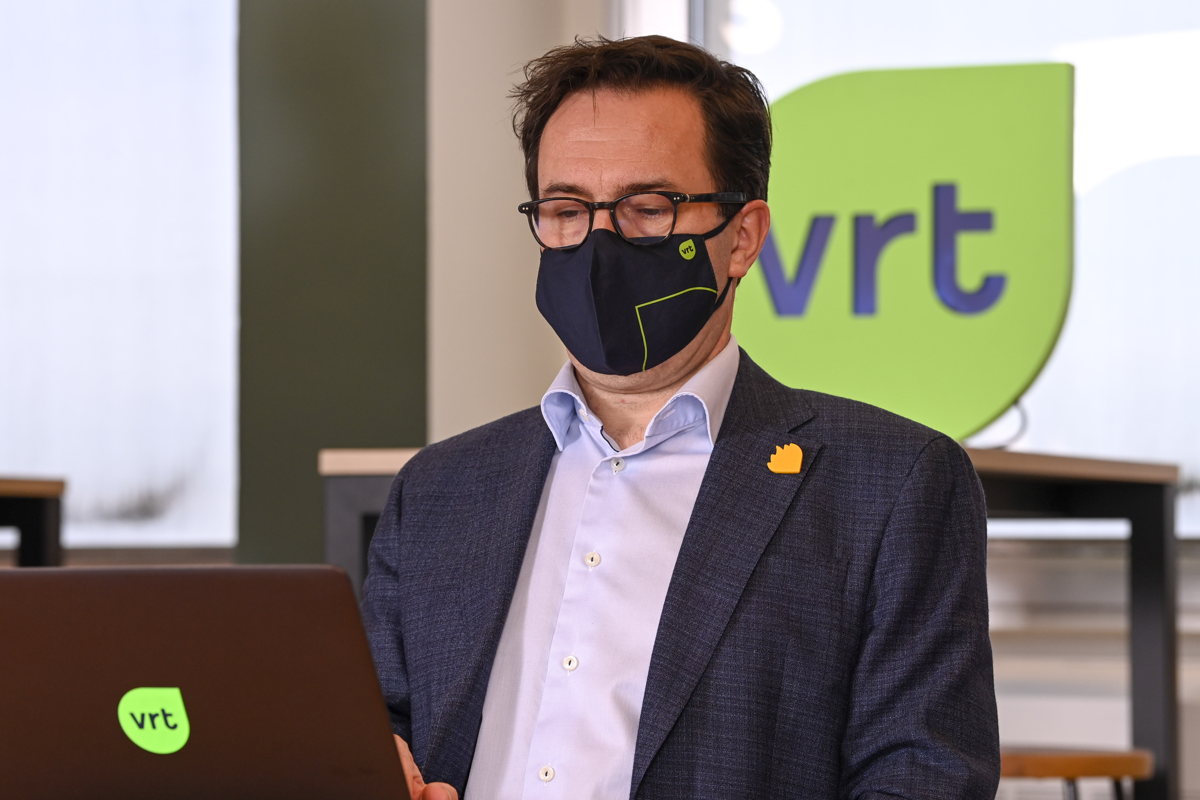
[333, 252]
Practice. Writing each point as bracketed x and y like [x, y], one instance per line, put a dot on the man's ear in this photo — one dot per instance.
[750, 231]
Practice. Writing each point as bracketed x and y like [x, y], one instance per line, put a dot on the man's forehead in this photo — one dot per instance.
[611, 140]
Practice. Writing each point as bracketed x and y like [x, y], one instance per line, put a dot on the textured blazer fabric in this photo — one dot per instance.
[824, 635]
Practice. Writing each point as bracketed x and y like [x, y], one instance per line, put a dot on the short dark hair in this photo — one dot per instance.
[732, 102]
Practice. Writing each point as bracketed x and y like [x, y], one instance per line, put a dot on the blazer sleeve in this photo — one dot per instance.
[922, 721]
[381, 605]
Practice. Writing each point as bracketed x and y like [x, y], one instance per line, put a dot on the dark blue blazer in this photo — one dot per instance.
[824, 635]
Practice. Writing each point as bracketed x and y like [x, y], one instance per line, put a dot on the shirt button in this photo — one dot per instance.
[592, 559]
[570, 663]
[618, 464]
[546, 774]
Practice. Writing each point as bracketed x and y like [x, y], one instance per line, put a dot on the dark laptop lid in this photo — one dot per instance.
[215, 682]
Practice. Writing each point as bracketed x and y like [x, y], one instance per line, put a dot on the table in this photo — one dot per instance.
[1071, 765]
[34, 508]
[1028, 485]
[1058, 487]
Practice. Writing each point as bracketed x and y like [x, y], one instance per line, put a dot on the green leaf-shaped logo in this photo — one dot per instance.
[153, 717]
[920, 252]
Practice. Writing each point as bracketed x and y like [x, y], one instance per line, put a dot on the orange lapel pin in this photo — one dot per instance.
[786, 460]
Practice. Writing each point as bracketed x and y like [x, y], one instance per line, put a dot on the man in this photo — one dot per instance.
[676, 577]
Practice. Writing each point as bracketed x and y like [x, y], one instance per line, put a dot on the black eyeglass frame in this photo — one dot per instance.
[529, 207]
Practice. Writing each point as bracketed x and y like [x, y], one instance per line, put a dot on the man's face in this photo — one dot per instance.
[601, 145]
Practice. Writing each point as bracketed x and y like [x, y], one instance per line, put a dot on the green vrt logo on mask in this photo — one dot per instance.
[687, 250]
[920, 252]
[154, 718]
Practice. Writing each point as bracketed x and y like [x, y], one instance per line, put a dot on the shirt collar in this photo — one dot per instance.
[705, 395]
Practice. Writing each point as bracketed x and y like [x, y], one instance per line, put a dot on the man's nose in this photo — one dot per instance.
[603, 218]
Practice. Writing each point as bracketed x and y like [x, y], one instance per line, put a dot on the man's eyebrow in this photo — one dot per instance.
[657, 185]
[556, 189]
[570, 189]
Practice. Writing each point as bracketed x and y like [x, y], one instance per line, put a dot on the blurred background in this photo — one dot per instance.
[232, 234]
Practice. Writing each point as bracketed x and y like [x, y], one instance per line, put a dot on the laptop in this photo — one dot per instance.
[178, 683]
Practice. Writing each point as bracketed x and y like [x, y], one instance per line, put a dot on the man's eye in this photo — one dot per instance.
[568, 214]
[649, 211]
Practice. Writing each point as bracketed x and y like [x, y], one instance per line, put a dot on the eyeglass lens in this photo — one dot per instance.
[563, 222]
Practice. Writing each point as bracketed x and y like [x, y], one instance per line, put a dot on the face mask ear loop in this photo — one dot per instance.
[728, 281]
[721, 297]
[717, 230]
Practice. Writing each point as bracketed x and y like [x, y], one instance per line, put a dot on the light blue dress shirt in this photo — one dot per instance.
[560, 718]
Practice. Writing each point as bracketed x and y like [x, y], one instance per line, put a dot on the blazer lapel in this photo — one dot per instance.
[739, 508]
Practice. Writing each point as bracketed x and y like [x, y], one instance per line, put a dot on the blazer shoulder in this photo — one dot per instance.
[869, 439]
[843, 417]
[879, 442]
[512, 436]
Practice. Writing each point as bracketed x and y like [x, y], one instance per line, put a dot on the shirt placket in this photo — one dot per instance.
[576, 668]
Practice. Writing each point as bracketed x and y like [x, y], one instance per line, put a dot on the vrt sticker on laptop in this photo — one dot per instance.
[154, 718]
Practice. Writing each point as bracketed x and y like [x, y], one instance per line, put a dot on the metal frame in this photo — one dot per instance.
[352, 507]
[34, 508]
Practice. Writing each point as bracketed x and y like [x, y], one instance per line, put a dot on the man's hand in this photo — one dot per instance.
[416, 784]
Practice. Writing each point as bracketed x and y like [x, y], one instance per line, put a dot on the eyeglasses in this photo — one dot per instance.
[643, 218]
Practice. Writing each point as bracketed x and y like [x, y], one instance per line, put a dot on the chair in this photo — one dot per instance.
[1071, 765]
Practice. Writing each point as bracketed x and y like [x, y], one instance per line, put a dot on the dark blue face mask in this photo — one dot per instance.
[621, 308]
